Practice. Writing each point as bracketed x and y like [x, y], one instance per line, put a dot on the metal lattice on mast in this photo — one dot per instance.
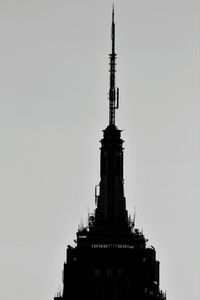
[113, 91]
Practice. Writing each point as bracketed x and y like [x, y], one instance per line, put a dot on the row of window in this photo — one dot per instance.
[108, 272]
[111, 246]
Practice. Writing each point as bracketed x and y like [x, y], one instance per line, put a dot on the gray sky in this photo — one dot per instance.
[53, 105]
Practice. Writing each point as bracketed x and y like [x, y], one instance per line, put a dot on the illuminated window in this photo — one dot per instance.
[143, 259]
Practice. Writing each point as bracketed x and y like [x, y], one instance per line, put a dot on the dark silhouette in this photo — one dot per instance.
[111, 260]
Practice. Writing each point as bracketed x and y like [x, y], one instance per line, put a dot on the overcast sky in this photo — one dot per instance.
[54, 82]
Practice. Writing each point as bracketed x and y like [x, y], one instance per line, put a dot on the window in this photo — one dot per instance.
[120, 273]
[97, 272]
[108, 272]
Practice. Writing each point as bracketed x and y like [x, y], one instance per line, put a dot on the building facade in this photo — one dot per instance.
[111, 260]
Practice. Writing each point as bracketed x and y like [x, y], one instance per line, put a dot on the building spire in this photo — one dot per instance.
[111, 203]
[113, 91]
[113, 29]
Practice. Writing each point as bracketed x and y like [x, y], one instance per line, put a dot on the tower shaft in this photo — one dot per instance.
[111, 206]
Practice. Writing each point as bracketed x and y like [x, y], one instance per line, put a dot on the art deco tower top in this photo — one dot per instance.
[110, 260]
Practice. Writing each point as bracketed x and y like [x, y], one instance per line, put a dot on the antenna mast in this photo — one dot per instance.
[113, 91]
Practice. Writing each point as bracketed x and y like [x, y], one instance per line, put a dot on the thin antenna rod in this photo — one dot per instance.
[113, 30]
[113, 91]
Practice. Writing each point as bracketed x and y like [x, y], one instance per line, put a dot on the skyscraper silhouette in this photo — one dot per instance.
[111, 260]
